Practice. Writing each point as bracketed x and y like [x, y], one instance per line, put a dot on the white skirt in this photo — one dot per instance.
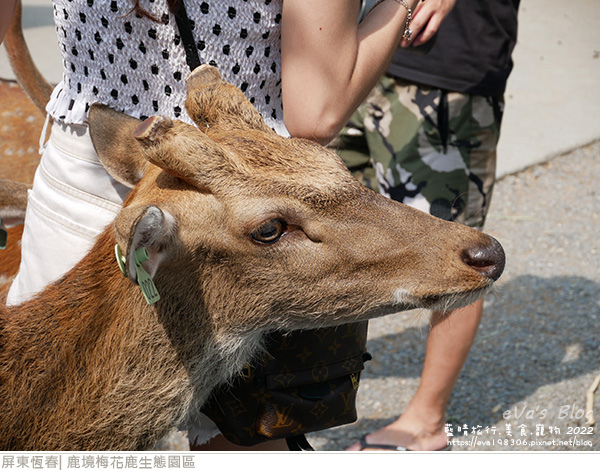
[72, 200]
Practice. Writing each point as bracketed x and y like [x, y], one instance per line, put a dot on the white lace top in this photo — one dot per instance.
[113, 56]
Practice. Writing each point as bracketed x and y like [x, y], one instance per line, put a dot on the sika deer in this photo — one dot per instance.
[247, 232]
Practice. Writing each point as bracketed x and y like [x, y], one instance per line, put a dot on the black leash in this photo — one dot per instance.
[185, 30]
[299, 443]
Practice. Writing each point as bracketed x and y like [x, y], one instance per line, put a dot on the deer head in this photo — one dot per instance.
[270, 232]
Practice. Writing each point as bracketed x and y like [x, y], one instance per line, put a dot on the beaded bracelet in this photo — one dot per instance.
[407, 31]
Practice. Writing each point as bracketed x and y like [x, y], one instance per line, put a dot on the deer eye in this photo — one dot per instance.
[269, 231]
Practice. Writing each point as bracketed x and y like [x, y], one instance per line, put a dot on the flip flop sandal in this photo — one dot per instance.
[366, 445]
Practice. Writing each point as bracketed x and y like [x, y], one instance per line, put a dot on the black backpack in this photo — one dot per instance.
[306, 382]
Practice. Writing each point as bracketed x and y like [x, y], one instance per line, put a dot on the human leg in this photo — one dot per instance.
[422, 424]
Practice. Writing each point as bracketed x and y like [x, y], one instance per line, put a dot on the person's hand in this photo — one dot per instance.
[426, 20]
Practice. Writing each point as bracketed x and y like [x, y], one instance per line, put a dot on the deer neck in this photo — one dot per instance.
[92, 364]
[89, 350]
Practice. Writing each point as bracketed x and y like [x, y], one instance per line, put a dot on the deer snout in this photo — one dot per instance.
[487, 259]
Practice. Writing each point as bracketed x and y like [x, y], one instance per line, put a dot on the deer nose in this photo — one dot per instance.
[488, 259]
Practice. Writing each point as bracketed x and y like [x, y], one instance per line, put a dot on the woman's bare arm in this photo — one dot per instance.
[330, 64]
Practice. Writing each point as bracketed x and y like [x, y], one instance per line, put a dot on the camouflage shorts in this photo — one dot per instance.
[431, 149]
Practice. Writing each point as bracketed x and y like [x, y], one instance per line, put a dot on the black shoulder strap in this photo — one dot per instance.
[185, 30]
[298, 443]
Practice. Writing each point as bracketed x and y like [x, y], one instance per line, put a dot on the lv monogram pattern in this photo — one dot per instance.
[306, 382]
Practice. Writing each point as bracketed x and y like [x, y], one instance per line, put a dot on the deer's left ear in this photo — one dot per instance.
[212, 102]
[183, 151]
[112, 136]
[144, 234]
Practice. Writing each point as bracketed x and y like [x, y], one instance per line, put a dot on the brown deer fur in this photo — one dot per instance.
[22, 121]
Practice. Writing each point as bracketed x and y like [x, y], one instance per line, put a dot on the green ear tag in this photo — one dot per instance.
[3, 237]
[121, 260]
[143, 278]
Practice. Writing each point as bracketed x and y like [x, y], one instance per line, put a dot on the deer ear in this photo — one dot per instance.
[146, 228]
[183, 151]
[212, 102]
[112, 136]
